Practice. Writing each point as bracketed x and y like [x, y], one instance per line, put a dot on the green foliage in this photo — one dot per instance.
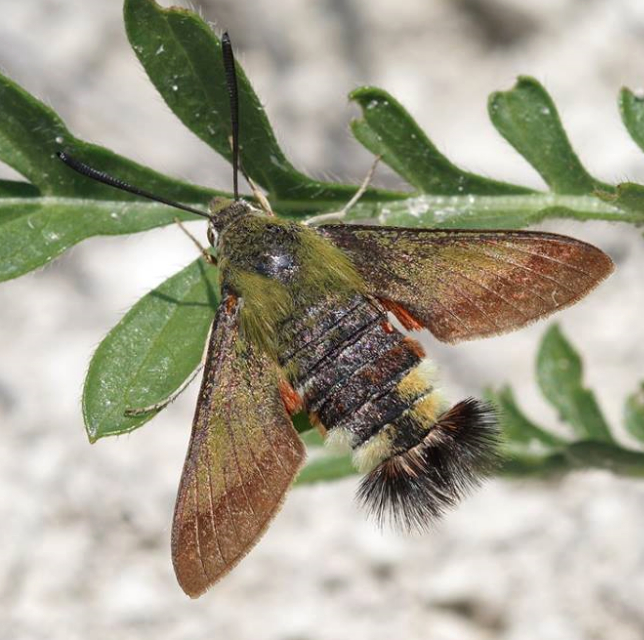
[519, 432]
[57, 208]
[529, 448]
[159, 342]
[634, 414]
[589, 441]
[527, 118]
[182, 57]
[151, 351]
[388, 130]
[559, 374]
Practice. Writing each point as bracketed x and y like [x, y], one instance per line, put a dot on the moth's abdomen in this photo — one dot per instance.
[370, 387]
[346, 360]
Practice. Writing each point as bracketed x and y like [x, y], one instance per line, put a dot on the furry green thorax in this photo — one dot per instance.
[279, 268]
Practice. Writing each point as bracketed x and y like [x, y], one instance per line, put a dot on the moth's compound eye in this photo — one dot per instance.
[212, 236]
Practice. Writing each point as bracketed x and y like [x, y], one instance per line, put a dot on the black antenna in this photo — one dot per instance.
[231, 84]
[100, 176]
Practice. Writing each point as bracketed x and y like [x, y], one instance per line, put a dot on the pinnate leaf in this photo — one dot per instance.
[634, 414]
[527, 118]
[559, 374]
[388, 130]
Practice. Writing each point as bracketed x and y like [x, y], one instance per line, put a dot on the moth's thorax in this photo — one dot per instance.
[282, 256]
[263, 246]
[279, 268]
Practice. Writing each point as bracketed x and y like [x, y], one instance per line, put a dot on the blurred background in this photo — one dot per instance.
[84, 533]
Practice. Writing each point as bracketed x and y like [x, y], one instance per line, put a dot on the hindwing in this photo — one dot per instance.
[464, 284]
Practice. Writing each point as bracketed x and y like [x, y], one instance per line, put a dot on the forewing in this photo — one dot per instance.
[243, 455]
[464, 284]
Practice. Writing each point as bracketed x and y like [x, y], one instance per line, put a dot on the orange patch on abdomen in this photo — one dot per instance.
[315, 421]
[414, 346]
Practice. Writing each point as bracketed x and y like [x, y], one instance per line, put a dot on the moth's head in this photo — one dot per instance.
[222, 212]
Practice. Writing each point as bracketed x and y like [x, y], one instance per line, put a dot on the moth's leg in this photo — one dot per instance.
[259, 196]
[338, 215]
[262, 200]
[208, 257]
[363, 187]
[157, 406]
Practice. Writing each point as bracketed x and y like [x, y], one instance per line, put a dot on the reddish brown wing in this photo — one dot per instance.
[243, 455]
[464, 284]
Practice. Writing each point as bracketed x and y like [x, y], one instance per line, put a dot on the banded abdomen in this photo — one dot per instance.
[368, 386]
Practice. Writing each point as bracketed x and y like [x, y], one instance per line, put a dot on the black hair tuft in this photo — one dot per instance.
[414, 488]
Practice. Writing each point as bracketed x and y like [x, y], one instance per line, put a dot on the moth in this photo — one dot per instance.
[304, 324]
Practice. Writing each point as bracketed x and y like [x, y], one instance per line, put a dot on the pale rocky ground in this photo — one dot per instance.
[84, 534]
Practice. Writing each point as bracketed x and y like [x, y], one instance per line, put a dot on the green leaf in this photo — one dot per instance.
[31, 134]
[34, 231]
[634, 414]
[450, 197]
[631, 108]
[15, 189]
[388, 130]
[301, 422]
[27, 147]
[312, 438]
[183, 58]
[521, 464]
[325, 469]
[489, 212]
[628, 197]
[41, 220]
[150, 352]
[612, 457]
[156, 345]
[559, 374]
[516, 464]
[527, 118]
[517, 428]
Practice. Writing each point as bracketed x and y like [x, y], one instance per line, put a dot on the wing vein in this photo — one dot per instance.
[250, 449]
[468, 299]
[509, 282]
[486, 288]
[240, 475]
[272, 448]
[525, 268]
[458, 319]
[215, 531]
[197, 541]
[227, 495]
[547, 257]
